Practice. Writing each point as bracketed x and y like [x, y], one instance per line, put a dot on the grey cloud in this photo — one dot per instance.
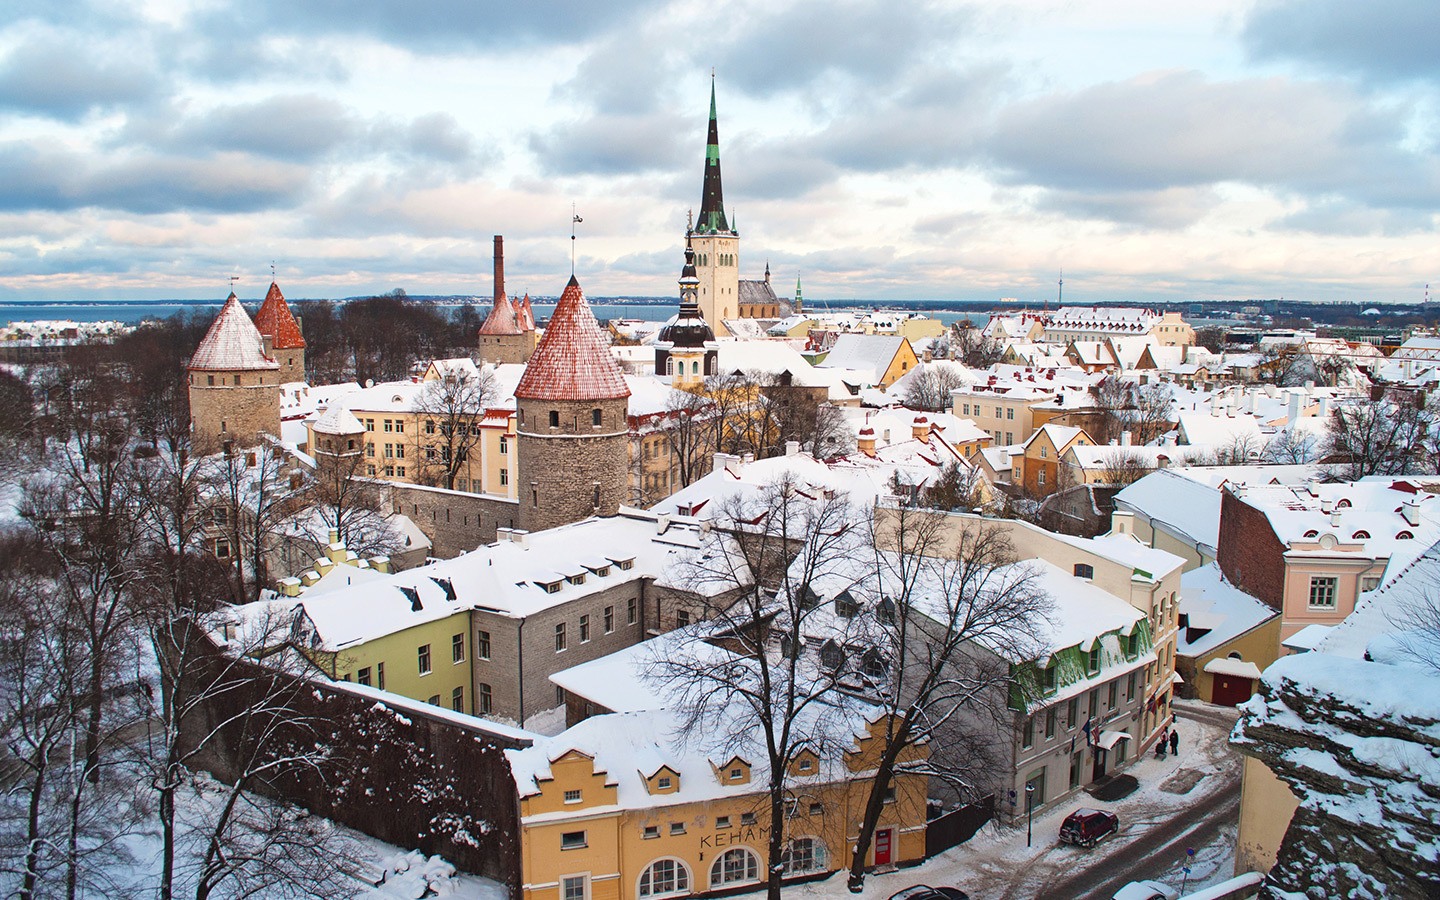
[1380, 40]
[1174, 130]
[1167, 208]
[1347, 219]
[33, 177]
[67, 77]
[296, 128]
[627, 74]
[808, 42]
[438, 136]
[609, 145]
[435, 24]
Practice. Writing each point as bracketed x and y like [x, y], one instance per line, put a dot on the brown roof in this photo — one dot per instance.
[232, 343]
[502, 319]
[572, 360]
[274, 319]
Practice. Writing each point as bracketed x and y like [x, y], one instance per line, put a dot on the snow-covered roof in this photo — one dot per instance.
[1235, 668]
[1059, 435]
[338, 420]
[868, 355]
[1181, 504]
[572, 361]
[1215, 611]
[1396, 607]
[618, 681]
[232, 343]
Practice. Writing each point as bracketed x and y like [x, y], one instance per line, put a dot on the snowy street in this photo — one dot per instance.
[1184, 802]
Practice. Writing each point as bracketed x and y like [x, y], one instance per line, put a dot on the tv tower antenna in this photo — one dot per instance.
[1060, 293]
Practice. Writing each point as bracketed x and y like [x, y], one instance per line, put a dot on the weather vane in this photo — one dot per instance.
[272, 270]
[574, 220]
[233, 279]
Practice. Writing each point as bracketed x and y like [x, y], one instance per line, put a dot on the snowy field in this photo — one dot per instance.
[996, 864]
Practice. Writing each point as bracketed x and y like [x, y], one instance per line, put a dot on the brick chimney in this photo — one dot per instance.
[866, 441]
[920, 429]
[499, 268]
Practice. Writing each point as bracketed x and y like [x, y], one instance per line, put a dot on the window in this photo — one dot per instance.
[817, 809]
[584, 629]
[487, 700]
[1369, 582]
[1084, 570]
[388, 425]
[554, 418]
[735, 866]
[1094, 702]
[1072, 712]
[559, 695]
[363, 676]
[504, 444]
[595, 417]
[609, 619]
[1047, 678]
[504, 477]
[380, 675]
[1040, 477]
[457, 699]
[457, 648]
[560, 637]
[572, 840]
[1322, 592]
[1114, 694]
[1010, 412]
[1130, 687]
[1094, 662]
[572, 887]
[1036, 781]
[222, 548]
[434, 700]
[1027, 734]
[429, 426]
[422, 656]
[737, 773]
[682, 618]
[722, 821]
[482, 644]
[651, 831]
[803, 855]
[664, 878]
[747, 818]
[573, 796]
[676, 827]
[1050, 723]
[630, 611]
[1044, 452]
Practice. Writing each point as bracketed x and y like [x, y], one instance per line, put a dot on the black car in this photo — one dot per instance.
[926, 892]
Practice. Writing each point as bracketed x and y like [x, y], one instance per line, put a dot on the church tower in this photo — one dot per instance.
[686, 350]
[234, 384]
[284, 342]
[716, 243]
[572, 433]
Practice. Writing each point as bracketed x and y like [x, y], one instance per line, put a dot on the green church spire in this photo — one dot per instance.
[712, 203]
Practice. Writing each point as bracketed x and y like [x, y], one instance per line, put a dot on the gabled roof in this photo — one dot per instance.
[1059, 435]
[572, 360]
[232, 343]
[274, 319]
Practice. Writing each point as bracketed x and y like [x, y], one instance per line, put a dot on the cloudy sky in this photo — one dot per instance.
[1151, 151]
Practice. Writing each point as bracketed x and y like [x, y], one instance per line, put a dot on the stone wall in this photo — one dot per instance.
[226, 411]
[507, 348]
[1249, 553]
[455, 522]
[574, 469]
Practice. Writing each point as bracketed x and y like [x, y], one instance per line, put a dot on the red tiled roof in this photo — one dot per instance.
[232, 342]
[502, 319]
[524, 314]
[572, 360]
[274, 319]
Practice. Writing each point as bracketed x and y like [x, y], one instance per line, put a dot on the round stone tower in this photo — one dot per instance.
[234, 384]
[571, 433]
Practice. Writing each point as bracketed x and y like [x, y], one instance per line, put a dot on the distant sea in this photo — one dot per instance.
[658, 309]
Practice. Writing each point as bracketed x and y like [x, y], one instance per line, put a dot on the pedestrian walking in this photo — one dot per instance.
[1174, 743]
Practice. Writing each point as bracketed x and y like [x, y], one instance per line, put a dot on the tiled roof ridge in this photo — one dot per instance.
[276, 320]
[232, 342]
[572, 361]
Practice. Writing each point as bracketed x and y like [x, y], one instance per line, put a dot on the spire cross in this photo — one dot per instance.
[574, 220]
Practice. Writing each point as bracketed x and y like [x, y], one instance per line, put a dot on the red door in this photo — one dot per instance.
[1228, 690]
[882, 846]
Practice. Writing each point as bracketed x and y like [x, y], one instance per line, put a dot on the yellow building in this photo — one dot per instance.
[400, 442]
[616, 809]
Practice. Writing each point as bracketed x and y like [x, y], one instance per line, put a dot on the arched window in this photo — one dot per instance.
[804, 855]
[1311, 533]
[695, 367]
[1342, 503]
[669, 365]
[1404, 536]
[738, 865]
[1360, 535]
[665, 878]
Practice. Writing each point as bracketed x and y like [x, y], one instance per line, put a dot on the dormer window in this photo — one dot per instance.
[1312, 533]
[576, 579]
[663, 783]
[1404, 536]
[737, 773]
[1360, 535]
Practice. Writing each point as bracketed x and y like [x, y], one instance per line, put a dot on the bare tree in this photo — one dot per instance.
[773, 699]
[690, 431]
[352, 505]
[929, 386]
[948, 610]
[249, 496]
[451, 410]
[957, 487]
[1292, 446]
[1124, 466]
[973, 347]
[1380, 437]
[1144, 410]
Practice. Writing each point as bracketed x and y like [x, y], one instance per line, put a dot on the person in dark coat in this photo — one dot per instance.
[1174, 742]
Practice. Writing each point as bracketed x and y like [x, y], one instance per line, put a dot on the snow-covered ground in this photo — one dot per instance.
[996, 863]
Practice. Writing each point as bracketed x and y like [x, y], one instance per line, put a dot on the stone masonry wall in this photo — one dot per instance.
[455, 521]
[560, 468]
[227, 411]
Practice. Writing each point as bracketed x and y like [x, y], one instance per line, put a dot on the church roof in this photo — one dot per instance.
[712, 200]
[502, 319]
[757, 292]
[572, 360]
[232, 342]
[274, 319]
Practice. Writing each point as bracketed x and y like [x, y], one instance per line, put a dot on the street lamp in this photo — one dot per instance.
[1029, 811]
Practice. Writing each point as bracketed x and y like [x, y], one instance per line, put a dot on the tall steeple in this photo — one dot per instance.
[712, 201]
[686, 350]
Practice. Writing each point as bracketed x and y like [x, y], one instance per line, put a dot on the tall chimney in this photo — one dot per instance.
[499, 268]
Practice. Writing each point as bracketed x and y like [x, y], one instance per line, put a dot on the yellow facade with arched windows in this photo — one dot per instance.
[579, 841]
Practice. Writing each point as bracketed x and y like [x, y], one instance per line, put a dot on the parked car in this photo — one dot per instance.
[1086, 827]
[1147, 890]
[926, 892]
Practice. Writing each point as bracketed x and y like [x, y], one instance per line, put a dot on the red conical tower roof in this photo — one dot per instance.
[572, 360]
[274, 319]
[501, 319]
[232, 343]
